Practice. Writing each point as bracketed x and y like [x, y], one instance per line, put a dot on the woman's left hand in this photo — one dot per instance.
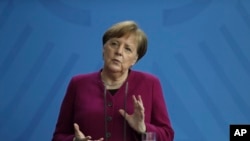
[136, 120]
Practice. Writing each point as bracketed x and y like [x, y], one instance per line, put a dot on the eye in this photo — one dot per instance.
[114, 43]
[128, 49]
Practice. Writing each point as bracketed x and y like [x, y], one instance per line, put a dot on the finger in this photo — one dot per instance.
[79, 134]
[138, 105]
[101, 139]
[123, 113]
[87, 138]
[77, 129]
[140, 102]
[134, 99]
[136, 102]
[139, 98]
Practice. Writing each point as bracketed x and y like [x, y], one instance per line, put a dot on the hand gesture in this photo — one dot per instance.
[79, 136]
[136, 120]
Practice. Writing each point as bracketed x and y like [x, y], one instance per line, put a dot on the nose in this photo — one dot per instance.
[119, 50]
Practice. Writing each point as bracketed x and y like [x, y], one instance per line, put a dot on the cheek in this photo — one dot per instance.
[107, 54]
[134, 59]
[131, 61]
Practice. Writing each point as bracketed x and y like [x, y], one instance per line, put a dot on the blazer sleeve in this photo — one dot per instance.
[160, 122]
[64, 130]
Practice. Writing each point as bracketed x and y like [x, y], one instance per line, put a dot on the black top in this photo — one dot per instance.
[113, 91]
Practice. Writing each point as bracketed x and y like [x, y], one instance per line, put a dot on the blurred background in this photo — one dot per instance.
[199, 49]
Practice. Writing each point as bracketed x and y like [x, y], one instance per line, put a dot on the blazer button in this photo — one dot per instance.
[110, 104]
[108, 135]
[109, 118]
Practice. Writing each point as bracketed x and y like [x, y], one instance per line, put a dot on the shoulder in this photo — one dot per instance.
[144, 75]
[85, 77]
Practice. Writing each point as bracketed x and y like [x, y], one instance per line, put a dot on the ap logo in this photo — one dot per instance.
[240, 132]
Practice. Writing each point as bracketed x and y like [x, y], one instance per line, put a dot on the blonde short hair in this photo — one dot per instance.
[128, 27]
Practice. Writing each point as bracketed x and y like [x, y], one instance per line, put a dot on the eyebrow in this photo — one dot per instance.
[128, 45]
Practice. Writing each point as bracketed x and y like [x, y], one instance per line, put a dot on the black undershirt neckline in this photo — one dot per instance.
[113, 91]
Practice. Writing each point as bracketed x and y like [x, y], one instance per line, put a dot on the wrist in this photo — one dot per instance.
[142, 130]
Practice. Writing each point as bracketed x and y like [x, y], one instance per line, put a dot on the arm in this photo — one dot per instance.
[64, 130]
[160, 122]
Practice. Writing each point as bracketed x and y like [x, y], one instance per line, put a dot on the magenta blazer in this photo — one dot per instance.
[85, 104]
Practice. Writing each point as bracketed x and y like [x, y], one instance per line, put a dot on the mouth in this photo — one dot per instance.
[116, 61]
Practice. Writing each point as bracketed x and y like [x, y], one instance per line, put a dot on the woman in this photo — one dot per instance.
[115, 103]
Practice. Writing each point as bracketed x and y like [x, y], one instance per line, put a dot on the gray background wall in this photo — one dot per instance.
[198, 48]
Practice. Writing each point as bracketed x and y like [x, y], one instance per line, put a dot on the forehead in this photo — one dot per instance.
[129, 39]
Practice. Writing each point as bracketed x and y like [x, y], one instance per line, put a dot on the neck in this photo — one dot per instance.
[113, 80]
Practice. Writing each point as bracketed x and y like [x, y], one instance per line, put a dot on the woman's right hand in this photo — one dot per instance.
[79, 136]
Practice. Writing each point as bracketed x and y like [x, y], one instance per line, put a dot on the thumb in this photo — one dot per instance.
[77, 129]
[79, 135]
[123, 113]
[78, 132]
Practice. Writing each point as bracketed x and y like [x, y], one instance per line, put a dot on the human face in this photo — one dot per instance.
[120, 53]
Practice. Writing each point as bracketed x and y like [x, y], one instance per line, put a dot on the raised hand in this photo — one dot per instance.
[136, 120]
[79, 136]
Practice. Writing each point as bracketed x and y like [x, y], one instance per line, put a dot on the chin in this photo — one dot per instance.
[115, 69]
